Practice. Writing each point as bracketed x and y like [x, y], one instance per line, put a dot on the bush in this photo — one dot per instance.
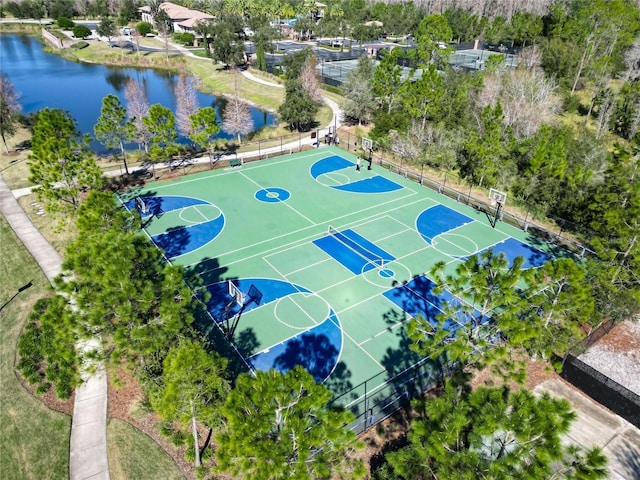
[80, 45]
[81, 31]
[65, 23]
[572, 103]
[184, 38]
[144, 28]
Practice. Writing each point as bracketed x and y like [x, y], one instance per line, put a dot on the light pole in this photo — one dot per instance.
[21, 289]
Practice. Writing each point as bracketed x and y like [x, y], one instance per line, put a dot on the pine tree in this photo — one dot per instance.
[160, 123]
[204, 126]
[61, 164]
[193, 389]
[493, 433]
[113, 128]
[279, 426]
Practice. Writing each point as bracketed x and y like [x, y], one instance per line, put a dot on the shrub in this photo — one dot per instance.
[144, 28]
[81, 31]
[184, 38]
[65, 23]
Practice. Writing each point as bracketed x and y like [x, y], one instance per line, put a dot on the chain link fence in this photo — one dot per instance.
[384, 159]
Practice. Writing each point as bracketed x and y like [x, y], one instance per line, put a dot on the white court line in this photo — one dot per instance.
[386, 330]
[304, 293]
[262, 187]
[328, 259]
[293, 244]
[288, 297]
[296, 244]
[339, 326]
[250, 166]
[202, 214]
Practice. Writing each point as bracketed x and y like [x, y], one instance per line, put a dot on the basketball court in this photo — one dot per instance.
[308, 261]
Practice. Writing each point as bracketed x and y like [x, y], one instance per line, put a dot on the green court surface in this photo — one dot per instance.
[335, 303]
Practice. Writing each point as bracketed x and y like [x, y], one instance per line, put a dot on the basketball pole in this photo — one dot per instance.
[496, 215]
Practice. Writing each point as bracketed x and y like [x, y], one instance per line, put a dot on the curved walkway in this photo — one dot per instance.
[337, 111]
[88, 453]
[88, 458]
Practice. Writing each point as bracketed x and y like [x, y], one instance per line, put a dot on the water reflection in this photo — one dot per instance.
[47, 80]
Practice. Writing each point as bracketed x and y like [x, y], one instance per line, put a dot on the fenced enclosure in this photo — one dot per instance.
[373, 405]
[382, 157]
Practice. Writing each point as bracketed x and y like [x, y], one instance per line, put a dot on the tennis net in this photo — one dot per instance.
[357, 248]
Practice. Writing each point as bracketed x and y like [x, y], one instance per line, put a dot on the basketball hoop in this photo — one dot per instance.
[236, 294]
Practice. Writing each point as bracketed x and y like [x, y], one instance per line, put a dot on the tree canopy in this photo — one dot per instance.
[60, 163]
[279, 426]
[493, 433]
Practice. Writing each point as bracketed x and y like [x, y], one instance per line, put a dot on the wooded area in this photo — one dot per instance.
[560, 133]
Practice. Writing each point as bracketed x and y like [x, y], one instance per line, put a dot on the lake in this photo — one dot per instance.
[47, 80]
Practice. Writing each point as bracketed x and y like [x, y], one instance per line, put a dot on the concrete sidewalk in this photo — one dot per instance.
[49, 260]
[597, 426]
[88, 454]
[88, 451]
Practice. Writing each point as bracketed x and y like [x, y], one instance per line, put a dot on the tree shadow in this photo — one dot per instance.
[377, 461]
[416, 297]
[397, 360]
[174, 242]
[314, 352]
[630, 461]
[209, 270]
[205, 321]
[247, 342]
[339, 381]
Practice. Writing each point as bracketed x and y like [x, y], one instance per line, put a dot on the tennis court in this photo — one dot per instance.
[331, 261]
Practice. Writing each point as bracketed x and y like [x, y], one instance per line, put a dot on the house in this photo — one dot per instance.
[182, 19]
[317, 11]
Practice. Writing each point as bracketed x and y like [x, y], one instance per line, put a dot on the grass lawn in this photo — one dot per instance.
[14, 167]
[215, 80]
[35, 440]
[132, 454]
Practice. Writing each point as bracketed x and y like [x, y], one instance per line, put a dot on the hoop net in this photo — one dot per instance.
[358, 249]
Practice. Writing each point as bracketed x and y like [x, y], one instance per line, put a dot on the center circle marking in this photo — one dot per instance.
[272, 195]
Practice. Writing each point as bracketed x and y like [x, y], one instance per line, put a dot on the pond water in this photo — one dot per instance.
[47, 80]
